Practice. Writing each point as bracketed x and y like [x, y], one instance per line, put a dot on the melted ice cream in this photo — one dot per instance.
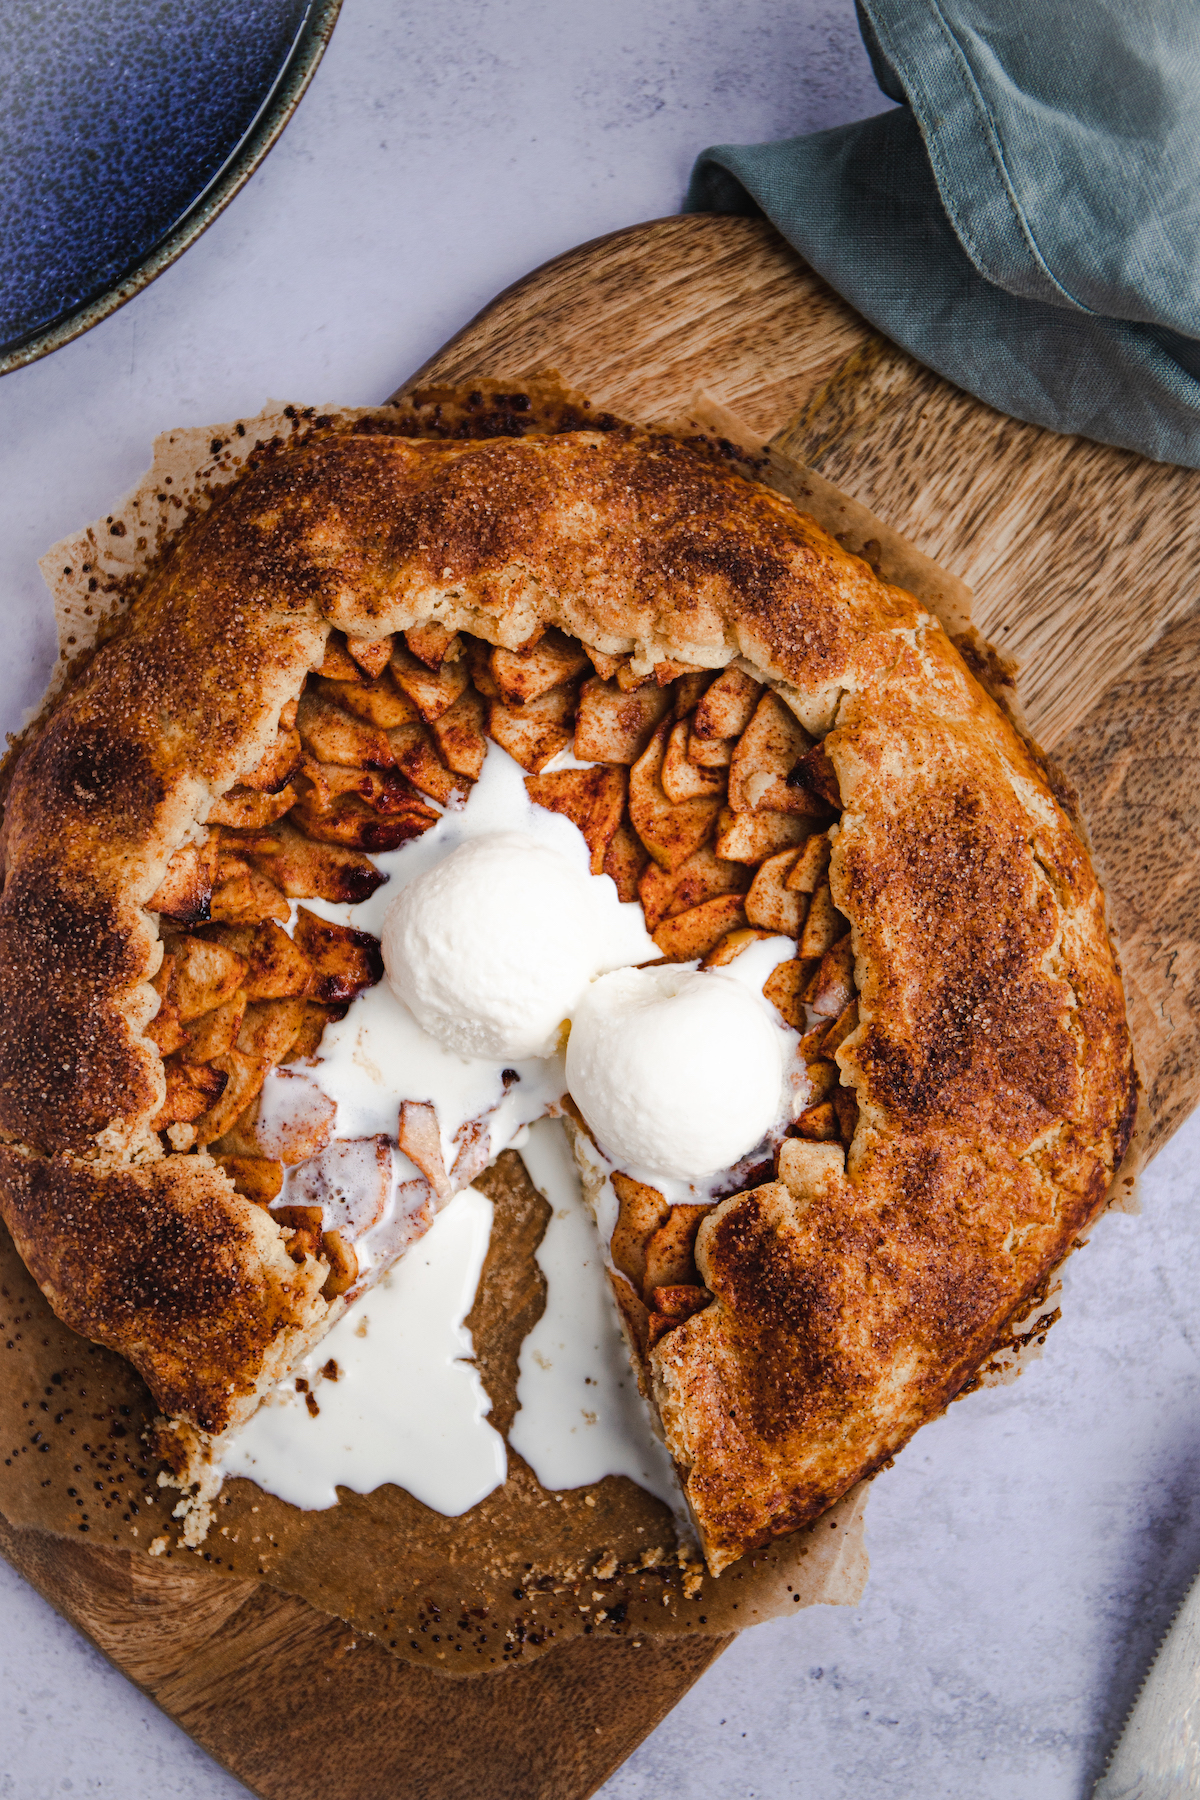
[404, 1406]
[581, 1416]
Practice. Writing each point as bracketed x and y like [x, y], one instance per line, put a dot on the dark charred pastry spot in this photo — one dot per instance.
[92, 768]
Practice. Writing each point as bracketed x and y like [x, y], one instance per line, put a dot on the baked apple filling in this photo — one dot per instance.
[697, 791]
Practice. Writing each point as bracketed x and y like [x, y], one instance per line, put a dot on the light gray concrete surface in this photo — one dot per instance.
[1028, 1548]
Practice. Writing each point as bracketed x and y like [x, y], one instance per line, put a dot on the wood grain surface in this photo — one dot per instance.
[1081, 559]
[299, 1708]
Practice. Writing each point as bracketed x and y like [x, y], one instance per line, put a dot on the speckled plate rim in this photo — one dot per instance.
[274, 113]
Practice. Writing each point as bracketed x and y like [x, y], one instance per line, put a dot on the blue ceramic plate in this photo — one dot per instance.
[125, 127]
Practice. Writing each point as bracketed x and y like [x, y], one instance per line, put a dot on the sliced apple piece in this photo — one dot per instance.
[529, 672]
[728, 705]
[683, 780]
[702, 877]
[823, 926]
[822, 1079]
[593, 799]
[615, 727]
[270, 1028]
[186, 888]
[254, 1177]
[338, 664]
[420, 1138]
[839, 1031]
[371, 654]
[732, 945]
[474, 1141]
[433, 644]
[845, 1105]
[350, 1182]
[349, 820]
[815, 771]
[333, 736]
[670, 1253]
[416, 754]
[634, 1318]
[305, 870]
[767, 751]
[605, 666]
[281, 761]
[819, 1122]
[307, 1040]
[770, 903]
[478, 659]
[165, 1029]
[204, 975]
[385, 791]
[624, 861]
[812, 1044]
[273, 967]
[784, 988]
[192, 1088]
[670, 670]
[749, 837]
[692, 934]
[378, 702]
[245, 1078]
[432, 691]
[345, 961]
[810, 865]
[246, 809]
[215, 1032]
[460, 734]
[298, 1122]
[642, 1210]
[536, 733]
[832, 987]
[690, 689]
[247, 897]
[670, 833]
[710, 753]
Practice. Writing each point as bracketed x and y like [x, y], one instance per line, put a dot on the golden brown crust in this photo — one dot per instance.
[166, 1264]
[992, 1062]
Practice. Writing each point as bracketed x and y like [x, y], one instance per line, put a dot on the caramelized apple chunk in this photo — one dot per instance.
[615, 727]
[593, 799]
[671, 833]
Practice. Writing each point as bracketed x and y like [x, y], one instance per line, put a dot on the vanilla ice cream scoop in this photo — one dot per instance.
[492, 947]
[677, 1071]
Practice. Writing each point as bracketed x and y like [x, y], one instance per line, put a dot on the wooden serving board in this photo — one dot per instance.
[1081, 560]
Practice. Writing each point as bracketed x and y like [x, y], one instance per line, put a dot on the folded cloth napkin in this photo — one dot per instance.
[1027, 220]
